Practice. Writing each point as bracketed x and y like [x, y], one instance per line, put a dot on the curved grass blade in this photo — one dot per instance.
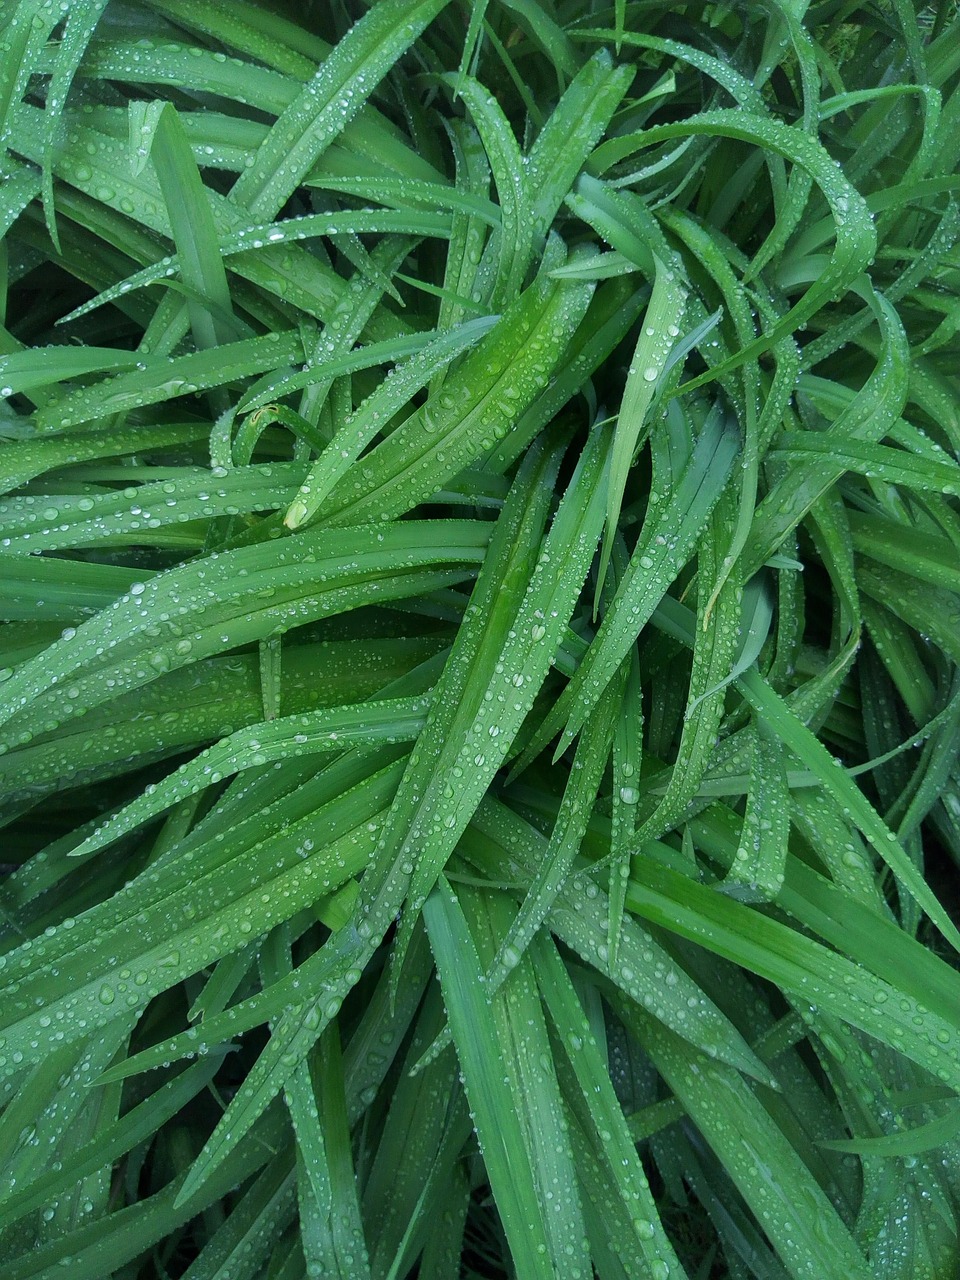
[845, 793]
[333, 729]
[512, 1089]
[479, 403]
[660, 329]
[515, 234]
[610, 1134]
[397, 389]
[570, 134]
[329, 102]
[244, 595]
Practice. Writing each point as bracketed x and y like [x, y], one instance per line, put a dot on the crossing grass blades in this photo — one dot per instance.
[480, 603]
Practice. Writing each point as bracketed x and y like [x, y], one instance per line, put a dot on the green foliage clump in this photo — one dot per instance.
[480, 628]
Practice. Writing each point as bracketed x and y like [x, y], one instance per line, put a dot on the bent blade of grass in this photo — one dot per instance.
[330, 101]
[268, 37]
[120, 517]
[856, 240]
[194, 231]
[37, 367]
[623, 221]
[23, 460]
[845, 793]
[468, 231]
[610, 1134]
[661, 326]
[333, 729]
[510, 1082]
[579, 797]
[876, 461]
[718, 69]
[803, 1225]
[515, 234]
[254, 240]
[570, 134]
[397, 389]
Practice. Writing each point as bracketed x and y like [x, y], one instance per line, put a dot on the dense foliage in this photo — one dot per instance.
[480, 627]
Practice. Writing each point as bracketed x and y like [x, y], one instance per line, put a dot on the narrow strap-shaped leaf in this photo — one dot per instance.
[22, 460]
[335, 729]
[660, 329]
[507, 848]
[758, 867]
[740, 88]
[400, 385]
[516, 231]
[166, 378]
[627, 758]
[868, 417]
[806, 1229]
[514, 1097]
[571, 132]
[480, 402]
[519, 671]
[340, 962]
[797, 963]
[883, 462]
[713, 655]
[135, 1126]
[82, 19]
[194, 231]
[856, 239]
[35, 367]
[579, 797]
[469, 229]
[611, 1135]
[260, 239]
[231, 606]
[667, 539]
[845, 792]
[330, 100]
